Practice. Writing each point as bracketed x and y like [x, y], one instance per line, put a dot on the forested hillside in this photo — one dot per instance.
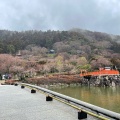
[98, 49]
[73, 41]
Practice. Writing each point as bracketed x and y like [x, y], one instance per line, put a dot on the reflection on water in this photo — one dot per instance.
[108, 97]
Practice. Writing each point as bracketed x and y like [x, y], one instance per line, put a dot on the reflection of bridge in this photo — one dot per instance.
[17, 103]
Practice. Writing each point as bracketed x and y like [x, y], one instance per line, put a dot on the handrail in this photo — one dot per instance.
[97, 109]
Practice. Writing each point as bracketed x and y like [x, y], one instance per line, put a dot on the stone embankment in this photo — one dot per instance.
[106, 81]
[68, 80]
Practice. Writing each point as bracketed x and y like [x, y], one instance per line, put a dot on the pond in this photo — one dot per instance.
[105, 97]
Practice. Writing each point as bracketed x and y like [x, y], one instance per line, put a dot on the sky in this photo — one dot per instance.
[94, 15]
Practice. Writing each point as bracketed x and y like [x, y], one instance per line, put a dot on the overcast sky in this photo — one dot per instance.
[95, 15]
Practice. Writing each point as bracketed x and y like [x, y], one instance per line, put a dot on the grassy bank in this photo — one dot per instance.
[54, 79]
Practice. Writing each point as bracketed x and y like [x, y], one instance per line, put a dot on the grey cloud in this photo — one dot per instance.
[95, 15]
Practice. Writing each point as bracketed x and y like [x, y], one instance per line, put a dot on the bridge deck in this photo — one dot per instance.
[20, 104]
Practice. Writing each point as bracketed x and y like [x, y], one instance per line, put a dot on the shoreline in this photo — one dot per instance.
[72, 80]
[66, 80]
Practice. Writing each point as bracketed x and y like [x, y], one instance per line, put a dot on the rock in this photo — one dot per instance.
[113, 84]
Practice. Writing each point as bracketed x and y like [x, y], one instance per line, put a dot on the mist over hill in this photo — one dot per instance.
[91, 34]
[72, 41]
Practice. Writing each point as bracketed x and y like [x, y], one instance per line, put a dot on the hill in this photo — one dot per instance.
[95, 47]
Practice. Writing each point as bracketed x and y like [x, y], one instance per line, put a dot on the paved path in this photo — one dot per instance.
[20, 104]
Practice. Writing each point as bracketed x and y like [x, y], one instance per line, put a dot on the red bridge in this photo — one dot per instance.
[101, 72]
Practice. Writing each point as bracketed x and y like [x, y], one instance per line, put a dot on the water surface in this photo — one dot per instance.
[106, 97]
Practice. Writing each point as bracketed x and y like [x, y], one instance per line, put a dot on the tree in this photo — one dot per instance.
[61, 47]
[82, 64]
[7, 62]
[59, 63]
[100, 62]
[16, 69]
[11, 49]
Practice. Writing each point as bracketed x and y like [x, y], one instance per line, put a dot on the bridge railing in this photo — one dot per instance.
[100, 112]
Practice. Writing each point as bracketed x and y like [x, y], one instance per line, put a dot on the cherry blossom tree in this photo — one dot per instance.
[100, 62]
[8, 63]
